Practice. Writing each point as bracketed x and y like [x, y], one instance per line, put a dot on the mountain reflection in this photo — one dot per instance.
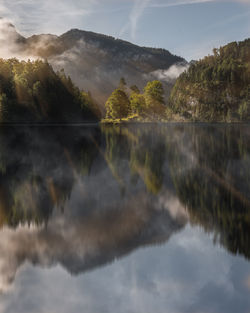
[82, 197]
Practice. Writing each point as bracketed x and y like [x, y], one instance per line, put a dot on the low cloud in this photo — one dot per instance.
[169, 75]
[9, 39]
[12, 44]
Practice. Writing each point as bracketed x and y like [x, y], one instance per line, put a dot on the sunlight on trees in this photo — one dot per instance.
[150, 104]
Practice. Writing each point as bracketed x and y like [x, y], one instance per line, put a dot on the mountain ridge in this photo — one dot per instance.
[95, 61]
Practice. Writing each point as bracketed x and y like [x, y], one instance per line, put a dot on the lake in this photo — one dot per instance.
[125, 219]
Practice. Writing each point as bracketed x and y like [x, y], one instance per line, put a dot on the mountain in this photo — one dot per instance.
[94, 61]
[216, 88]
[10, 40]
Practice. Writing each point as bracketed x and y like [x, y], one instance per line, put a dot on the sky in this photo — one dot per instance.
[189, 28]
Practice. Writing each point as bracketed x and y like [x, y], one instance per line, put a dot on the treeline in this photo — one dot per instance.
[38, 167]
[216, 88]
[128, 103]
[219, 204]
[32, 92]
[211, 184]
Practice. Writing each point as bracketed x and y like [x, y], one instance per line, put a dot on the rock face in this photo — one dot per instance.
[94, 61]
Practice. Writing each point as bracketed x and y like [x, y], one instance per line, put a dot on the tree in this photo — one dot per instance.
[122, 84]
[154, 97]
[33, 91]
[137, 103]
[216, 52]
[88, 105]
[154, 92]
[243, 111]
[3, 108]
[216, 86]
[135, 89]
[117, 105]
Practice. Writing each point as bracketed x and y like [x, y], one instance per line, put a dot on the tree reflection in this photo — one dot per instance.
[97, 194]
[212, 179]
[210, 171]
[38, 169]
[143, 148]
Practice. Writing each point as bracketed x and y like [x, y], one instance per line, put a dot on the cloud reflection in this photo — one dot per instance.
[169, 278]
[83, 199]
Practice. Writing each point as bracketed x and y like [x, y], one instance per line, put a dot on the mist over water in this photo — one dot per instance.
[142, 217]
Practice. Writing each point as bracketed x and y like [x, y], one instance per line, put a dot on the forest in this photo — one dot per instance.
[216, 88]
[32, 92]
[213, 89]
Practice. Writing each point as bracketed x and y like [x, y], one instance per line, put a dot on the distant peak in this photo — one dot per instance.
[8, 31]
[6, 23]
[75, 30]
[42, 36]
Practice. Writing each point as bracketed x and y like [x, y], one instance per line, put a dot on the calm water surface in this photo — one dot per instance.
[132, 219]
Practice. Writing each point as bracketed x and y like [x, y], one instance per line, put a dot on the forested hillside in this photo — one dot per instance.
[94, 61]
[33, 92]
[216, 88]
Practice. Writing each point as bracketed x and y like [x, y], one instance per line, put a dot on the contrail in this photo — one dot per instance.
[134, 16]
[180, 3]
[140, 6]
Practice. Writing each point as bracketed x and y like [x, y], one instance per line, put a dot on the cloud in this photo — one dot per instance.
[46, 16]
[141, 5]
[179, 3]
[135, 15]
[9, 35]
[180, 276]
[12, 43]
[84, 245]
[190, 2]
[171, 74]
[139, 8]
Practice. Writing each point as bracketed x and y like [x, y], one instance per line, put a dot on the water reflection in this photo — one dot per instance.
[83, 197]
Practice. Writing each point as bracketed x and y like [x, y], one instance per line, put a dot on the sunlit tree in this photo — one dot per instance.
[117, 105]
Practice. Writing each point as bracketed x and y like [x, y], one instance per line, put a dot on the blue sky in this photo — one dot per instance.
[190, 28]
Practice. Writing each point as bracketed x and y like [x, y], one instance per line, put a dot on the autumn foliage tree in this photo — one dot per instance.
[117, 105]
[137, 103]
[150, 104]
